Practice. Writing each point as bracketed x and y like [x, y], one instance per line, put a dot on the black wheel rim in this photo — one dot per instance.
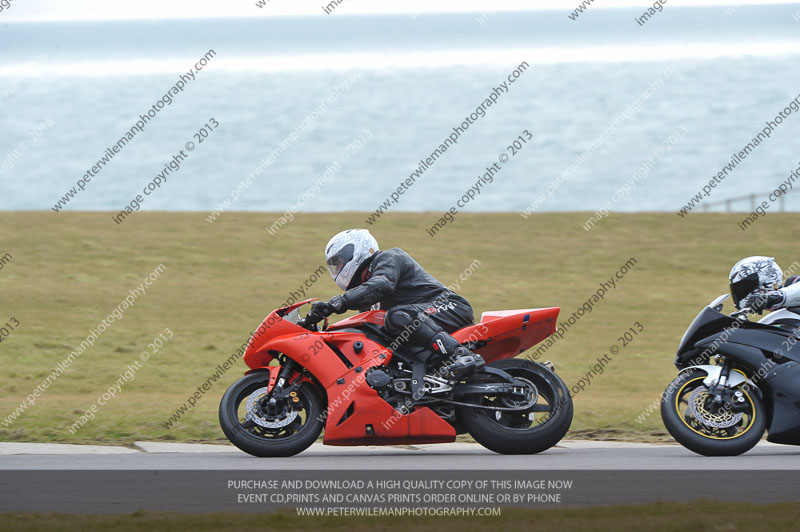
[543, 411]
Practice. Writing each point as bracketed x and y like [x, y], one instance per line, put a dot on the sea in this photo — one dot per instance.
[337, 112]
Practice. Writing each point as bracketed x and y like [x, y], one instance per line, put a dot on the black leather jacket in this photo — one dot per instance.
[393, 278]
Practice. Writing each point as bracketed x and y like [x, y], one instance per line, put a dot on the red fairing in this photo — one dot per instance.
[273, 326]
[299, 304]
[357, 415]
[371, 316]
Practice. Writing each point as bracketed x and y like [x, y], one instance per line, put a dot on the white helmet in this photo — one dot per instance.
[754, 274]
[346, 251]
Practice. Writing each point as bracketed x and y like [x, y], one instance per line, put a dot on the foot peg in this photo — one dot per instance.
[464, 364]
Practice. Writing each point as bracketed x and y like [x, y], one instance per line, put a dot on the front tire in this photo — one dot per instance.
[521, 432]
[285, 428]
[687, 416]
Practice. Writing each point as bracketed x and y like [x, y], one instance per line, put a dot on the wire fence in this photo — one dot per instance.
[748, 203]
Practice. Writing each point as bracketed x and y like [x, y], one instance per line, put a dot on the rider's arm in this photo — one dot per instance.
[788, 296]
[386, 271]
[791, 296]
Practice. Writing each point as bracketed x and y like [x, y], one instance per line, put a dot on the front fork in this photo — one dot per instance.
[718, 390]
[283, 389]
[724, 395]
[280, 389]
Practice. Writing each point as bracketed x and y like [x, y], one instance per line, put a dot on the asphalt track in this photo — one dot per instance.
[568, 455]
[202, 478]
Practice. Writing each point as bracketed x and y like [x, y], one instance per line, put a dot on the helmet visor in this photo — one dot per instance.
[744, 287]
[337, 262]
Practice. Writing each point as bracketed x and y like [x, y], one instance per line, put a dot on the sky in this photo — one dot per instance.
[36, 10]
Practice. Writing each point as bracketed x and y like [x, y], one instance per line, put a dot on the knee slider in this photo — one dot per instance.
[398, 319]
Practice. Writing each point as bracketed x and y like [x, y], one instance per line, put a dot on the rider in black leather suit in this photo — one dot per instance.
[418, 307]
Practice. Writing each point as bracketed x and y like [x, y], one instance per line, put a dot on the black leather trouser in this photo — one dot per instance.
[428, 324]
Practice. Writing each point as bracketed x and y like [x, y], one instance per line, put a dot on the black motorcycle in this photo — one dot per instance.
[737, 379]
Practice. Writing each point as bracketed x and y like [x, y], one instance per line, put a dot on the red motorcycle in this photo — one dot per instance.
[365, 389]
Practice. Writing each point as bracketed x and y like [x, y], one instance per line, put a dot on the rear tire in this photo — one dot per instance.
[257, 441]
[507, 433]
[703, 439]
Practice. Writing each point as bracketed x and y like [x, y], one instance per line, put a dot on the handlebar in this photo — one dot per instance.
[312, 325]
[741, 314]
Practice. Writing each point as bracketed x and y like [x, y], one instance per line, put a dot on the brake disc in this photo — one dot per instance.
[256, 414]
[721, 420]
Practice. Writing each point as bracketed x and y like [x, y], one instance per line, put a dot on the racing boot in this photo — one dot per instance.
[458, 360]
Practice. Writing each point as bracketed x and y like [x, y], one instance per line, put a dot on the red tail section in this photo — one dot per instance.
[509, 332]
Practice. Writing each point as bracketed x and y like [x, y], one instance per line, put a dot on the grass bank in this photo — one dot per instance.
[664, 517]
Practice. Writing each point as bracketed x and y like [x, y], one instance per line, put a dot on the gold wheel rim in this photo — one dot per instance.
[745, 431]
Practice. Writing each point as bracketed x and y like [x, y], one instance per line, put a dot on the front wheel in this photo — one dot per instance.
[544, 420]
[700, 425]
[262, 425]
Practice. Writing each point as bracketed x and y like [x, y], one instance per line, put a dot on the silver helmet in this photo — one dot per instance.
[752, 275]
[345, 252]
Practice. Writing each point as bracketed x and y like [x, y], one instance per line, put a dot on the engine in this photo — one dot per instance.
[378, 377]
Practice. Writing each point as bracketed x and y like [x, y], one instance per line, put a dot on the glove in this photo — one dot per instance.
[323, 309]
[759, 302]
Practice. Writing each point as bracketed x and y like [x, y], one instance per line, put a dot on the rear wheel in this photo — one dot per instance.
[692, 418]
[262, 425]
[545, 420]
